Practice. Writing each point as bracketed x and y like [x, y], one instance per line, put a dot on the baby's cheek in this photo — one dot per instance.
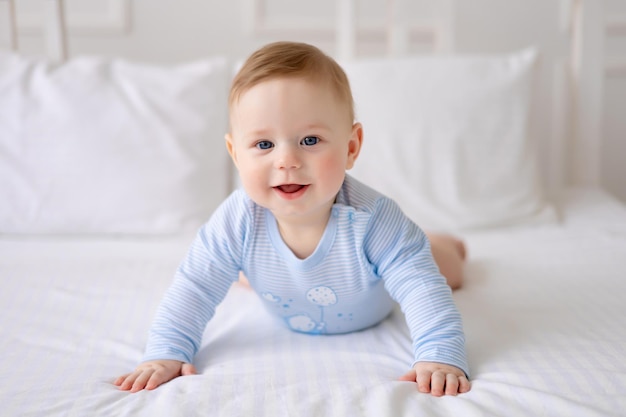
[333, 164]
[334, 170]
[253, 181]
[252, 172]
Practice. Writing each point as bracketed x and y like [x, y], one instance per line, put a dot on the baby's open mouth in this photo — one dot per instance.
[290, 188]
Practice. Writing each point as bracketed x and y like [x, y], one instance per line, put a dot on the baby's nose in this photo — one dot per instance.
[288, 159]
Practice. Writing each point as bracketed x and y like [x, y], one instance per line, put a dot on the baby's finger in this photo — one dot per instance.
[437, 382]
[120, 379]
[464, 384]
[410, 376]
[142, 379]
[128, 382]
[188, 369]
[452, 384]
[157, 378]
[423, 381]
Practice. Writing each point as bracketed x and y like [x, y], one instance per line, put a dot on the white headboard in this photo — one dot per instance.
[571, 34]
[568, 107]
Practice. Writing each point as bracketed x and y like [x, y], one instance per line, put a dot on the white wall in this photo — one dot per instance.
[168, 31]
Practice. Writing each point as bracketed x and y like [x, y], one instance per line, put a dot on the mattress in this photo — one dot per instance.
[543, 309]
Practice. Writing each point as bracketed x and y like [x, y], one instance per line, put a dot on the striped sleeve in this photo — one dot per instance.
[400, 253]
[201, 282]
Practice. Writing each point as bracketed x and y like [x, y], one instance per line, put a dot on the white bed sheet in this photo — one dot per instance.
[543, 310]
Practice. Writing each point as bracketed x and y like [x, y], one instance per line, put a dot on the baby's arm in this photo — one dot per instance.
[401, 253]
[150, 375]
[200, 284]
[437, 378]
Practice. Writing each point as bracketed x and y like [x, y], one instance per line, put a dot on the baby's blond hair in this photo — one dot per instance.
[292, 59]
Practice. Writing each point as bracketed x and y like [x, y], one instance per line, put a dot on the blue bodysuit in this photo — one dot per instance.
[369, 256]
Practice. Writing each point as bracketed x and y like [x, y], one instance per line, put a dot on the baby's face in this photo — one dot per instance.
[292, 141]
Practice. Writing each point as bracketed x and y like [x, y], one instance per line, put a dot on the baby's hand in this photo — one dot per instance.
[150, 375]
[437, 378]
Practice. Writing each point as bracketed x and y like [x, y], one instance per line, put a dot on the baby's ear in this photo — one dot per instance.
[354, 144]
[231, 147]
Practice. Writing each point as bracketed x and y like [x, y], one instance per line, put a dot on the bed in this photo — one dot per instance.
[108, 166]
[543, 312]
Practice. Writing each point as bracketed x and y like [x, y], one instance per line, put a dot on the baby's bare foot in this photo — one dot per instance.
[449, 253]
[460, 247]
[243, 281]
[449, 241]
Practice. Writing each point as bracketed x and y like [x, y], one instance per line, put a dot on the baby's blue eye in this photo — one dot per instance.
[310, 140]
[264, 144]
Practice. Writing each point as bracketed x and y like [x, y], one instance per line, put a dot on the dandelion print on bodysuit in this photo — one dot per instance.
[321, 296]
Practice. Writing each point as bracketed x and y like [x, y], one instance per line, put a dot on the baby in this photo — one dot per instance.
[307, 235]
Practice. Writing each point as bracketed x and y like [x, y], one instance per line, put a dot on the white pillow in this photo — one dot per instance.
[447, 138]
[108, 146]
